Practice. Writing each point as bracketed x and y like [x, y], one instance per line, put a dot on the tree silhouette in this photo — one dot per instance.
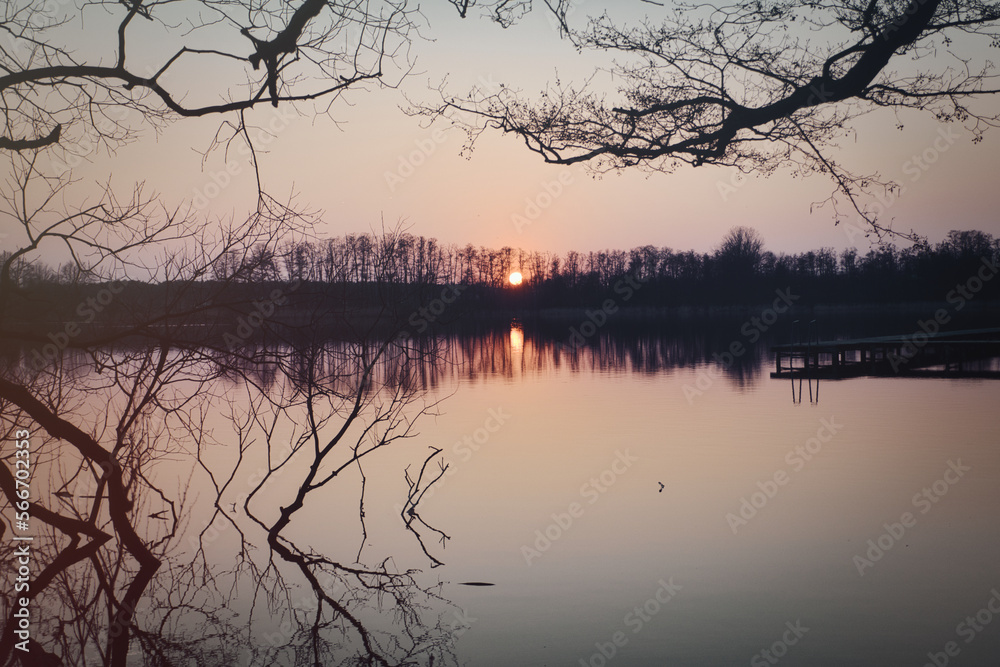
[757, 86]
[740, 253]
[108, 577]
[246, 54]
[132, 392]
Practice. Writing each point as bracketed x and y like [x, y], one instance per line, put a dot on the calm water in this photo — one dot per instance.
[634, 502]
[715, 586]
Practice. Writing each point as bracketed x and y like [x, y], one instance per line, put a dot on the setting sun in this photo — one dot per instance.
[516, 278]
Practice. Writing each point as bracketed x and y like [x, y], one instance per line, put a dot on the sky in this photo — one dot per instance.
[376, 165]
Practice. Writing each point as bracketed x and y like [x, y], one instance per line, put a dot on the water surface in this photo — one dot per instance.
[850, 468]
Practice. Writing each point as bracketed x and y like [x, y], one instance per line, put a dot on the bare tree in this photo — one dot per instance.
[111, 571]
[740, 253]
[110, 576]
[343, 403]
[99, 465]
[759, 86]
[254, 53]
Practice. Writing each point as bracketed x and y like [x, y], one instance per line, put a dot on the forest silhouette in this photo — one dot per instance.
[355, 269]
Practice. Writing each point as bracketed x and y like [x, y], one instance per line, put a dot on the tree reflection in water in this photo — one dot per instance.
[193, 504]
[121, 575]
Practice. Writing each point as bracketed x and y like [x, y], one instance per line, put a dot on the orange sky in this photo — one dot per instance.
[358, 172]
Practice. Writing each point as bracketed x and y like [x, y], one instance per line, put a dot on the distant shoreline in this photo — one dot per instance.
[227, 316]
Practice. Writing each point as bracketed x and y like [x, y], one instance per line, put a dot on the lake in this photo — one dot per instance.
[859, 529]
[637, 499]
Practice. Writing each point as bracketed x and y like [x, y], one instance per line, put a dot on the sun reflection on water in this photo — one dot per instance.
[516, 337]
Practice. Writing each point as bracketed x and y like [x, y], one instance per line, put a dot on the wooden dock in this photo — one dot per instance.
[952, 354]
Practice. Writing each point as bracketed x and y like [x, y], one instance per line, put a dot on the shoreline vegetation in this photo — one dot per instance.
[403, 285]
[63, 313]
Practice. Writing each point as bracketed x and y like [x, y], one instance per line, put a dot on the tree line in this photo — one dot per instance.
[737, 270]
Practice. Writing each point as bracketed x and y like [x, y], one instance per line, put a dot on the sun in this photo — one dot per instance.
[516, 278]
